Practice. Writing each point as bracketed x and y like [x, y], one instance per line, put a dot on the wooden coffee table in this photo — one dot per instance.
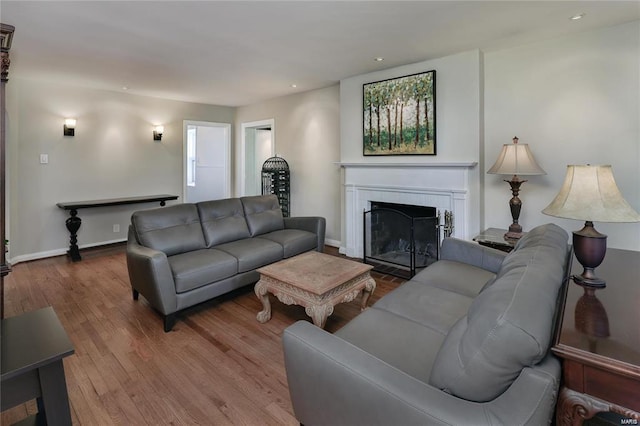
[316, 281]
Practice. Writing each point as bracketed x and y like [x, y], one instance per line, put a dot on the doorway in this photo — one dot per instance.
[206, 161]
[258, 144]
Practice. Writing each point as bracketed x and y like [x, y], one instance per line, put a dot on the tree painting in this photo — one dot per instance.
[400, 116]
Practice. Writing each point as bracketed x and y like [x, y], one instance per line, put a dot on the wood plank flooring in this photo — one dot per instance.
[219, 365]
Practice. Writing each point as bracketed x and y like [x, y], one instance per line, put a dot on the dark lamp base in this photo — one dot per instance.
[594, 282]
[515, 205]
[590, 247]
[513, 235]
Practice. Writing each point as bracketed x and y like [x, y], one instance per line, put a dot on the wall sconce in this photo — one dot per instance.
[157, 133]
[69, 126]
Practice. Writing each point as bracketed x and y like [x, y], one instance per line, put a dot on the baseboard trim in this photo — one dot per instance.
[59, 252]
[63, 251]
[332, 243]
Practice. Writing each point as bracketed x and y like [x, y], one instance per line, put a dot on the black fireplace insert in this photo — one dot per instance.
[401, 239]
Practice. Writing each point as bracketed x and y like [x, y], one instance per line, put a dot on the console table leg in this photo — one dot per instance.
[73, 225]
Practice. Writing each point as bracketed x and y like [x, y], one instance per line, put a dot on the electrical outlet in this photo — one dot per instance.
[116, 228]
[44, 158]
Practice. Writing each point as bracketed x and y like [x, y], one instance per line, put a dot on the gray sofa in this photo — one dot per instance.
[185, 254]
[466, 341]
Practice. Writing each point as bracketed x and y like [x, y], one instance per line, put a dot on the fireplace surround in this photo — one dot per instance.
[448, 187]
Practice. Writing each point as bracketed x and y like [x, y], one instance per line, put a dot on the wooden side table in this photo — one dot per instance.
[494, 238]
[33, 346]
[598, 341]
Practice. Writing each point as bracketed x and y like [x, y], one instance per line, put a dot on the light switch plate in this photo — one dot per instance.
[44, 158]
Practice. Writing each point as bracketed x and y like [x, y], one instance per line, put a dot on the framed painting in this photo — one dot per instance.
[399, 116]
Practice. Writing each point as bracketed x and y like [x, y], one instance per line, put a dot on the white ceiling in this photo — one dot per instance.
[240, 52]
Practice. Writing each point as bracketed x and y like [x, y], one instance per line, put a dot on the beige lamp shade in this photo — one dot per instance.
[516, 159]
[590, 193]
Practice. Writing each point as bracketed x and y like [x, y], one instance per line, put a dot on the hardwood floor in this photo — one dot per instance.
[218, 365]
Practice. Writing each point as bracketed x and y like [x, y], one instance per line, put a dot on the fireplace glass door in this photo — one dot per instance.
[400, 239]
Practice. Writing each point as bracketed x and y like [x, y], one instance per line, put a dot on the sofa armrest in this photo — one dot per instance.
[150, 275]
[334, 382]
[314, 224]
[472, 253]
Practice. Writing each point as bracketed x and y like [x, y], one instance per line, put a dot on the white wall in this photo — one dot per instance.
[111, 155]
[574, 100]
[307, 136]
[457, 110]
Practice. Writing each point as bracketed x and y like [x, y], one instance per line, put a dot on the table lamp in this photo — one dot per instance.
[515, 159]
[590, 193]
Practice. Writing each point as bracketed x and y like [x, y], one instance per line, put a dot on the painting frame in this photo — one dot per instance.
[392, 116]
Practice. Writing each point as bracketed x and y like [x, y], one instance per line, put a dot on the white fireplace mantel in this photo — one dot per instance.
[464, 165]
[445, 186]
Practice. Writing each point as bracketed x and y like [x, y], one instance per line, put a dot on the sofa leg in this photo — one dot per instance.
[135, 294]
[169, 322]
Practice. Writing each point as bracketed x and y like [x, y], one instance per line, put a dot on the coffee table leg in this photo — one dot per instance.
[319, 313]
[367, 291]
[261, 291]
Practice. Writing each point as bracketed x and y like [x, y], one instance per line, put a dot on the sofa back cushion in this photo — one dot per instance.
[509, 325]
[263, 214]
[222, 221]
[172, 230]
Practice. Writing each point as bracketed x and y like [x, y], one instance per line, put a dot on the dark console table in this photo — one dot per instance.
[33, 346]
[73, 222]
[598, 342]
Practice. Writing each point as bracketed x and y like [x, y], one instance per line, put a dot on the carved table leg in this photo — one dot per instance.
[319, 313]
[261, 291]
[369, 288]
[73, 225]
[574, 408]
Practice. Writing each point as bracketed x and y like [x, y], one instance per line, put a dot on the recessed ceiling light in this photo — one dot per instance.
[577, 17]
[378, 59]
[125, 88]
[294, 85]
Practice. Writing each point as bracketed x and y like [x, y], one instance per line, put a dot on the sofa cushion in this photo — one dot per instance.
[172, 230]
[430, 306]
[508, 325]
[222, 221]
[252, 253]
[458, 277]
[293, 241]
[201, 267]
[404, 344]
[546, 235]
[263, 214]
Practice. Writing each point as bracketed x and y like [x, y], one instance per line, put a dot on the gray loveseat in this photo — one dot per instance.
[466, 341]
[185, 254]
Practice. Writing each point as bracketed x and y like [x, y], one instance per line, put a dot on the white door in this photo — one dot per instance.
[207, 171]
[258, 144]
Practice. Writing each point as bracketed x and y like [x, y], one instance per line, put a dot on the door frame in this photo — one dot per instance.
[227, 153]
[260, 124]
